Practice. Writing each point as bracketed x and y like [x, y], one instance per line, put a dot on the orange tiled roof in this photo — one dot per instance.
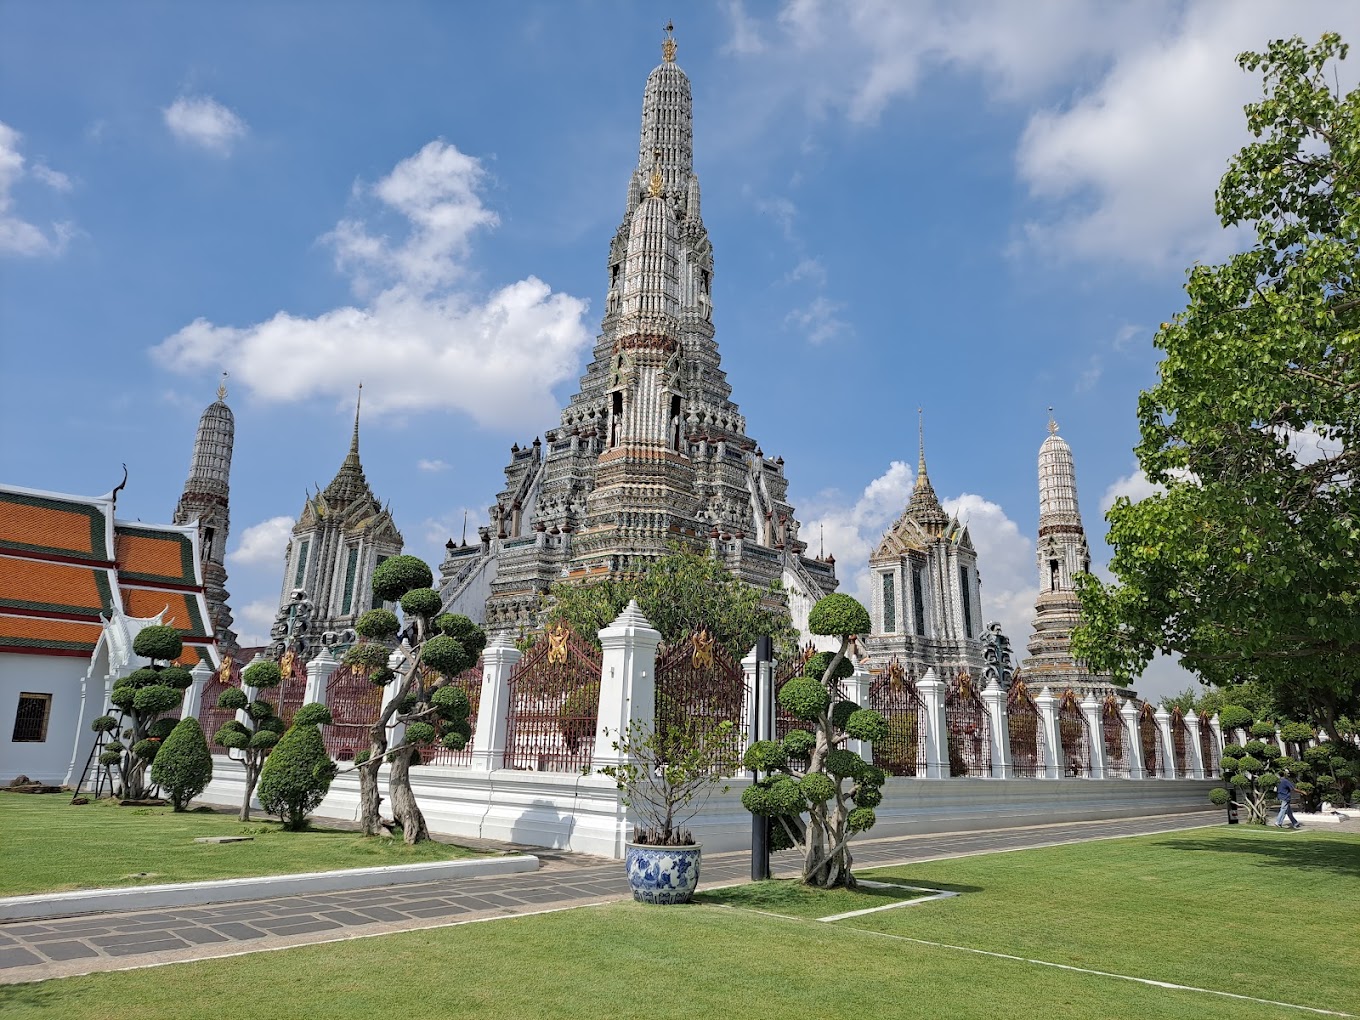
[183, 613]
[37, 632]
[150, 555]
[54, 587]
[43, 524]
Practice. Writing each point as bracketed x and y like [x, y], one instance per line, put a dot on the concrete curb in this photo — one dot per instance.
[185, 894]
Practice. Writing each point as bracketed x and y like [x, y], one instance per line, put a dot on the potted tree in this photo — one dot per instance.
[666, 778]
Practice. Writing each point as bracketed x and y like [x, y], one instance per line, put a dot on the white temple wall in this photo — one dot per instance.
[44, 761]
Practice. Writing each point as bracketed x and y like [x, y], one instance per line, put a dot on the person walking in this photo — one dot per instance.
[1285, 791]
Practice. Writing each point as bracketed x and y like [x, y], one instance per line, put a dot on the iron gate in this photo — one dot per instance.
[554, 705]
[894, 696]
[1026, 733]
[354, 704]
[698, 687]
[1208, 749]
[1072, 731]
[1116, 742]
[471, 682]
[968, 729]
[1150, 737]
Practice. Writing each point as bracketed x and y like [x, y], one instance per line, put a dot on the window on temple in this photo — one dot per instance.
[918, 596]
[889, 605]
[208, 534]
[967, 591]
[30, 721]
[301, 563]
[350, 568]
[616, 419]
[1052, 575]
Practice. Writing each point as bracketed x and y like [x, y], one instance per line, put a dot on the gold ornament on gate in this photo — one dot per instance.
[224, 671]
[286, 664]
[702, 642]
[557, 644]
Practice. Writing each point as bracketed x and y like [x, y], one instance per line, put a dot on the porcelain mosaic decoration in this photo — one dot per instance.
[663, 874]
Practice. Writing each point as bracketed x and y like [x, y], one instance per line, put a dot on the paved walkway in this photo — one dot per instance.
[63, 947]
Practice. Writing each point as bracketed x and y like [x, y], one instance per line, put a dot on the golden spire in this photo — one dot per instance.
[222, 388]
[668, 44]
[656, 182]
[1052, 425]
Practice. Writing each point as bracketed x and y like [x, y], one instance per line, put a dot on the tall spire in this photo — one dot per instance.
[354, 443]
[349, 482]
[924, 507]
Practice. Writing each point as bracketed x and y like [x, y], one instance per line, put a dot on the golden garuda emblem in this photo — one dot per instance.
[702, 642]
[557, 644]
[287, 663]
[224, 670]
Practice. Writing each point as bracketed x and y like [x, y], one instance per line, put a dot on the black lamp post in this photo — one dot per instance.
[762, 728]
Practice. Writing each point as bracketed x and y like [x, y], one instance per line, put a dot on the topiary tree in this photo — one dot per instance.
[297, 774]
[816, 792]
[141, 699]
[253, 739]
[1253, 771]
[432, 709]
[1234, 717]
[183, 766]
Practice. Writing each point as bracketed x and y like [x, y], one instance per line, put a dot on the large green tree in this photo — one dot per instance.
[1246, 564]
[680, 593]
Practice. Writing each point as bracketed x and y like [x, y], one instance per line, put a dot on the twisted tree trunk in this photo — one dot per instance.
[404, 807]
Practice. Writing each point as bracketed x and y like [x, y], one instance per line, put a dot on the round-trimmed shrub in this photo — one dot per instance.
[1233, 717]
[804, 698]
[1219, 796]
[233, 698]
[765, 756]
[1241, 780]
[420, 733]
[1255, 747]
[866, 724]
[840, 615]
[158, 642]
[313, 714]
[1267, 780]
[777, 795]
[799, 744]
[421, 602]
[262, 674]
[1296, 732]
[1233, 750]
[447, 655]
[1250, 763]
[177, 677]
[368, 655]
[1263, 729]
[162, 728]
[156, 699]
[868, 796]
[122, 696]
[111, 756]
[146, 749]
[397, 575]
[382, 676]
[840, 762]
[273, 724]
[1270, 752]
[263, 739]
[235, 739]
[860, 819]
[144, 676]
[451, 701]
[454, 741]
[817, 787]
[469, 635]
[183, 766]
[296, 776]
[841, 712]
[817, 665]
[378, 625]
[104, 724]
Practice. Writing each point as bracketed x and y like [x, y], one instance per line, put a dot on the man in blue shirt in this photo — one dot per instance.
[1285, 791]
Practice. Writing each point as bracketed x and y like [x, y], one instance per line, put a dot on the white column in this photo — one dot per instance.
[857, 690]
[1130, 713]
[1195, 758]
[251, 693]
[748, 673]
[192, 705]
[1216, 728]
[627, 683]
[1163, 719]
[395, 730]
[995, 700]
[319, 671]
[493, 710]
[1095, 735]
[931, 689]
[1054, 766]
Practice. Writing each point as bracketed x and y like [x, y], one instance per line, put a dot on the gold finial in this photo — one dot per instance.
[668, 44]
[222, 388]
[656, 183]
[1052, 425]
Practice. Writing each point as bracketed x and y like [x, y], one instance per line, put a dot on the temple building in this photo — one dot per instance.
[927, 595]
[651, 452]
[340, 537]
[206, 502]
[76, 587]
[1062, 555]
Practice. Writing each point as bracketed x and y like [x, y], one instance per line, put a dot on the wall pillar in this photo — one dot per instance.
[319, 671]
[1129, 712]
[995, 699]
[627, 681]
[1095, 735]
[857, 690]
[251, 693]
[932, 690]
[1048, 719]
[395, 730]
[1195, 759]
[493, 710]
[1163, 719]
[192, 705]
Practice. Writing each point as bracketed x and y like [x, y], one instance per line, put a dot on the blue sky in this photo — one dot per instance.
[981, 209]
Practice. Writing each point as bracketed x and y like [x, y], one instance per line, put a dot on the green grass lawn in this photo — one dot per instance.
[793, 899]
[50, 845]
[1214, 908]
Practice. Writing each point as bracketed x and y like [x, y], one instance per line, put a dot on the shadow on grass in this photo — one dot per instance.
[1290, 850]
[39, 995]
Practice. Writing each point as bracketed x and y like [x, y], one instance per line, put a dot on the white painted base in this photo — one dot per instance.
[583, 813]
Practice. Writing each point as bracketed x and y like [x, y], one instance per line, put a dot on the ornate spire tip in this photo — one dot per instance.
[222, 388]
[1052, 425]
[668, 44]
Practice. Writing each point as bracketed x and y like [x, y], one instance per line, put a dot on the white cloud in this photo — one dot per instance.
[809, 270]
[1135, 486]
[1005, 564]
[431, 465]
[259, 618]
[426, 341]
[17, 235]
[818, 320]
[263, 544]
[204, 122]
[852, 532]
[746, 37]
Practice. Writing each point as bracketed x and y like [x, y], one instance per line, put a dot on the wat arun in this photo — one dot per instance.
[651, 453]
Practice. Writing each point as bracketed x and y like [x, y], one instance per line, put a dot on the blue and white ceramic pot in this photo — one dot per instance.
[662, 874]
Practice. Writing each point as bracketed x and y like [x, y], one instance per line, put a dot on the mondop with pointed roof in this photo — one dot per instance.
[341, 536]
[652, 451]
